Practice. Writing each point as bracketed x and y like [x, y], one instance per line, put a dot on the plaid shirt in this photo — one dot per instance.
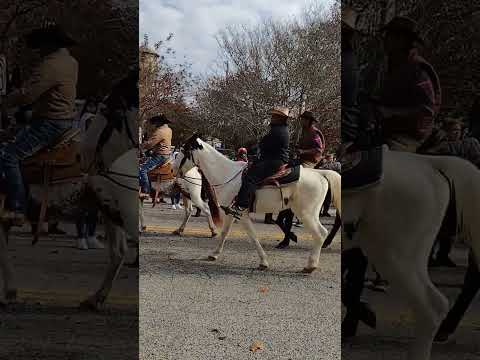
[413, 85]
[311, 140]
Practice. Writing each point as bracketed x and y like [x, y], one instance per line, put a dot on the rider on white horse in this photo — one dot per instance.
[52, 91]
[273, 154]
[310, 151]
[159, 147]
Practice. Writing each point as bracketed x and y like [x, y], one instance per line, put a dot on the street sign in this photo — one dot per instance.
[3, 75]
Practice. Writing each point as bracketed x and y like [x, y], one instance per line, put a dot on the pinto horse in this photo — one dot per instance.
[190, 185]
[305, 196]
[110, 182]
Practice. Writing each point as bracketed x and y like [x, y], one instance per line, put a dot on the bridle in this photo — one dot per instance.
[112, 125]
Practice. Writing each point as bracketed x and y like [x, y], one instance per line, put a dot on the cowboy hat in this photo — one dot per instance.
[309, 116]
[280, 110]
[404, 25]
[159, 119]
[349, 18]
[53, 34]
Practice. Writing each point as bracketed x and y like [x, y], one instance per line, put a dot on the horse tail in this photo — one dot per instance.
[464, 181]
[335, 183]
[212, 201]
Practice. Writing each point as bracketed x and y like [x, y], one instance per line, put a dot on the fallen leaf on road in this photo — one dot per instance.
[263, 290]
[256, 346]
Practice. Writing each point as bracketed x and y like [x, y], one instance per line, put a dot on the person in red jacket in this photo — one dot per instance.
[242, 155]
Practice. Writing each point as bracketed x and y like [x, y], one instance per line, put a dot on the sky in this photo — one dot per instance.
[195, 23]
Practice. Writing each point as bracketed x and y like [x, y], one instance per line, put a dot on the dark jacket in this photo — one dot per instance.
[274, 145]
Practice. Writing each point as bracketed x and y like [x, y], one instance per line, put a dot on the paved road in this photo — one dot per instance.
[193, 309]
[394, 323]
[53, 277]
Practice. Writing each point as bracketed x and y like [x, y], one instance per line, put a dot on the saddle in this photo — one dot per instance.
[287, 174]
[61, 160]
[162, 173]
[361, 168]
[55, 163]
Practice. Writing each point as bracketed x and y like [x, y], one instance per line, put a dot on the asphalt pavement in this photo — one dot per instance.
[194, 309]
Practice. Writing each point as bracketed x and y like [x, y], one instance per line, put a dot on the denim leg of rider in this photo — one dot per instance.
[255, 174]
[28, 141]
[151, 163]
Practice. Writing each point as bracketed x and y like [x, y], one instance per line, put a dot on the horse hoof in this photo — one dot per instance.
[308, 270]
[177, 232]
[211, 258]
[282, 245]
[214, 235]
[262, 267]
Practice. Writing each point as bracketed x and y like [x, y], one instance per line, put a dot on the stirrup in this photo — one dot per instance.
[234, 211]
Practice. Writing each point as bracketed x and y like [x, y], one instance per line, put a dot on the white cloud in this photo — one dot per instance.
[196, 22]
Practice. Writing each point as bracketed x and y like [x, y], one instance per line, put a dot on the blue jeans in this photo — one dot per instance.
[87, 223]
[29, 140]
[151, 163]
[176, 198]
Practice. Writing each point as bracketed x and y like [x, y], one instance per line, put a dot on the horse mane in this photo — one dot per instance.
[212, 201]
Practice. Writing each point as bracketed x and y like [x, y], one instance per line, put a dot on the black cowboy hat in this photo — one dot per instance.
[404, 25]
[309, 116]
[50, 35]
[159, 120]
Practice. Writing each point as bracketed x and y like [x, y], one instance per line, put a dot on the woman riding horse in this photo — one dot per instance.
[52, 91]
[159, 148]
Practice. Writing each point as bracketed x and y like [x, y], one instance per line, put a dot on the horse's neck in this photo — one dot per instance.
[217, 168]
[193, 173]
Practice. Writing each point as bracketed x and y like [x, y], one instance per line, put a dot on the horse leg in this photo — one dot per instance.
[333, 232]
[211, 225]
[247, 224]
[188, 213]
[117, 247]
[142, 217]
[285, 222]
[227, 226]
[428, 304]
[404, 264]
[9, 287]
[318, 231]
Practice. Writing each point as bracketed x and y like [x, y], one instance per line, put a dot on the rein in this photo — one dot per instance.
[214, 185]
[106, 176]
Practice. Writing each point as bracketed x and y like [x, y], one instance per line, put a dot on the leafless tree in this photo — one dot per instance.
[293, 63]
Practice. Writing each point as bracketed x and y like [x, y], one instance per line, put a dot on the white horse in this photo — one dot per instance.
[305, 196]
[397, 222]
[114, 191]
[191, 186]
